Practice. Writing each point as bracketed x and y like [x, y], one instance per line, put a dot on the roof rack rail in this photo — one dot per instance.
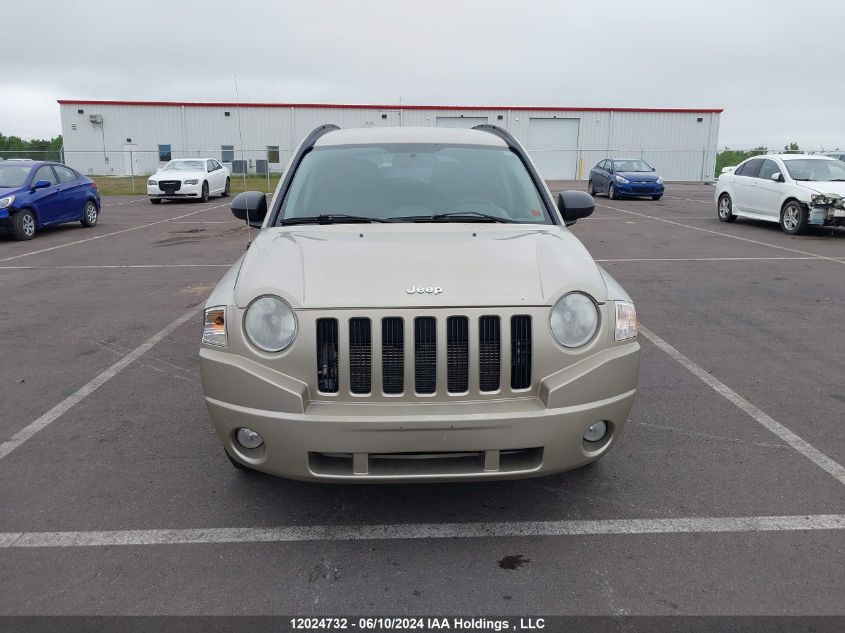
[307, 146]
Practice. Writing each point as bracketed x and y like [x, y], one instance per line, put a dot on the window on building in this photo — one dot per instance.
[80, 111]
[226, 113]
[227, 153]
[164, 153]
[272, 153]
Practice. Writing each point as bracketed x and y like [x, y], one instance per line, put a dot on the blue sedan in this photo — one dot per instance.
[625, 177]
[35, 194]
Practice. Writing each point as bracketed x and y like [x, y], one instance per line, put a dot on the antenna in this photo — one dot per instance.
[243, 160]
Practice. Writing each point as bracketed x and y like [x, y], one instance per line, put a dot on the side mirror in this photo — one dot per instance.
[251, 207]
[653, 169]
[574, 205]
[777, 177]
[41, 184]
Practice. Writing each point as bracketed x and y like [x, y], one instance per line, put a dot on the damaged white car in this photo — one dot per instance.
[795, 190]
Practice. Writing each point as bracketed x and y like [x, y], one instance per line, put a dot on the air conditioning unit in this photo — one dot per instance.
[95, 118]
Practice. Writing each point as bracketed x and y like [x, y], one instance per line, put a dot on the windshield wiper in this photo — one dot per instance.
[332, 218]
[456, 216]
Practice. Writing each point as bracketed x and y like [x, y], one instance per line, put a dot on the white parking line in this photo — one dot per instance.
[710, 259]
[423, 531]
[693, 200]
[53, 414]
[99, 237]
[117, 204]
[116, 266]
[802, 446]
[733, 237]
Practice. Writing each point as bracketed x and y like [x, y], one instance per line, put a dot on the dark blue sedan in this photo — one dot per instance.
[35, 194]
[625, 177]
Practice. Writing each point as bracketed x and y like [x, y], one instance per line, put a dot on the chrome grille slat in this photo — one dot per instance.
[457, 354]
[520, 351]
[393, 355]
[425, 355]
[360, 356]
[489, 353]
[327, 360]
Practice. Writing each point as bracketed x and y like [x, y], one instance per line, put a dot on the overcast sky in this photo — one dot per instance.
[775, 66]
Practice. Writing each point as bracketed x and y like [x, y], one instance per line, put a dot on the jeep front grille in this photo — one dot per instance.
[433, 354]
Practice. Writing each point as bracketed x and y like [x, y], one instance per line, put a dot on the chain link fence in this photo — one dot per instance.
[696, 165]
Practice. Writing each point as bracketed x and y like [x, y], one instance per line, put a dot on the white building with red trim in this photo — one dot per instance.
[136, 137]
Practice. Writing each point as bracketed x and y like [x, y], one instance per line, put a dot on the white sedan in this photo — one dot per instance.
[196, 178]
[796, 190]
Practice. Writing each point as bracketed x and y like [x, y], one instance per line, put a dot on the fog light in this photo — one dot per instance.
[250, 439]
[596, 432]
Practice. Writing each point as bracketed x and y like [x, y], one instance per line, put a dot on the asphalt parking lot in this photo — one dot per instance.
[725, 494]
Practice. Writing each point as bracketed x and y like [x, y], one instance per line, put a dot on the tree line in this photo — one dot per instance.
[733, 157]
[36, 149]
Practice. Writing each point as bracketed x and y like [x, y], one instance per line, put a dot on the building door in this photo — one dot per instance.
[553, 145]
[387, 118]
[461, 121]
[131, 163]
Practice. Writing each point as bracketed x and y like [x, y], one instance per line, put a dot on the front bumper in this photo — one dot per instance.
[639, 189]
[185, 191]
[503, 438]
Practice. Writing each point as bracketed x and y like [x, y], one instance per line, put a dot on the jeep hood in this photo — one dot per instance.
[373, 266]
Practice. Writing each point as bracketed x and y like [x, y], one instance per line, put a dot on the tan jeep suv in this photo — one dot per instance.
[415, 309]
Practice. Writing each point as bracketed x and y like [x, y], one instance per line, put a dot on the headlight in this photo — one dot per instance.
[214, 326]
[192, 181]
[624, 181]
[660, 180]
[270, 324]
[6, 202]
[574, 319]
[824, 200]
[151, 183]
[626, 321]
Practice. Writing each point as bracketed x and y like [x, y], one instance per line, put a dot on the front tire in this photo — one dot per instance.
[90, 215]
[204, 196]
[591, 188]
[793, 218]
[228, 189]
[725, 209]
[611, 192]
[656, 197]
[23, 225]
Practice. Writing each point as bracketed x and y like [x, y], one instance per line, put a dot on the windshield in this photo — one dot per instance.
[13, 175]
[184, 165]
[403, 182]
[815, 169]
[632, 165]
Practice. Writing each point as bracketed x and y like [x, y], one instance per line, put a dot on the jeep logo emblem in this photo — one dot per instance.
[428, 290]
